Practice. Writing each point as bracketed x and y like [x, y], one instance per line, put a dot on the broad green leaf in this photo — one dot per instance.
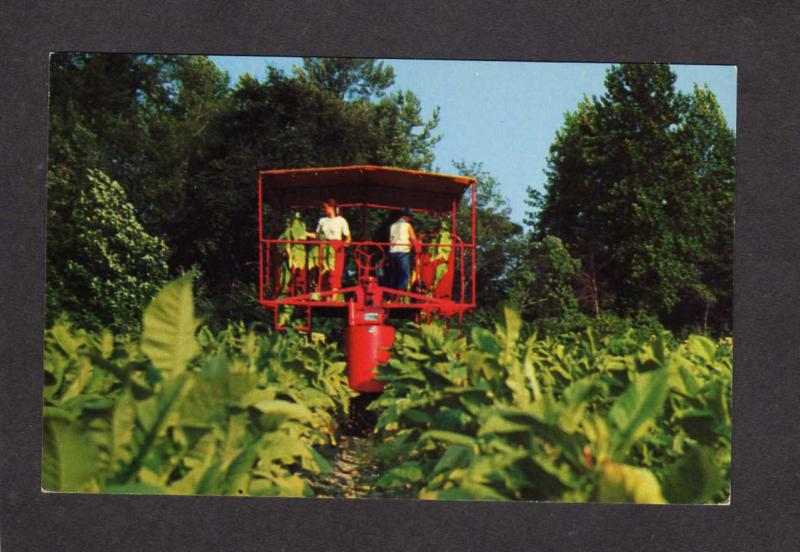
[168, 337]
[282, 447]
[576, 399]
[67, 341]
[69, 456]
[623, 483]
[91, 401]
[236, 435]
[456, 456]
[54, 375]
[541, 476]
[510, 421]
[82, 378]
[275, 412]
[257, 395]
[407, 472]
[323, 466]
[152, 417]
[417, 416]
[292, 485]
[236, 480]
[451, 419]
[702, 346]
[202, 451]
[638, 404]
[210, 481]
[694, 478]
[200, 459]
[497, 423]
[448, 437]
[469, 491]
[485, 341]
[123, 418]
[206, 403]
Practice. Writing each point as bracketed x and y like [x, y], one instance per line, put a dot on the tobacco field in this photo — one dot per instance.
[468, 413]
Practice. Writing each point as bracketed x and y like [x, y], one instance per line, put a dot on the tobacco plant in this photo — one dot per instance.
[570, 418]
[182, 410]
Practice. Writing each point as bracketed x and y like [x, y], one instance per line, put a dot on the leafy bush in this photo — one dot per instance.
[183, 411]
[575, 418]
[102, 267]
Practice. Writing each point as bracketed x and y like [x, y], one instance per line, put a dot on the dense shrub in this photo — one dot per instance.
[102, 267]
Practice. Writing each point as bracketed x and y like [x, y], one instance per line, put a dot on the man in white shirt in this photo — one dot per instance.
[401, 237]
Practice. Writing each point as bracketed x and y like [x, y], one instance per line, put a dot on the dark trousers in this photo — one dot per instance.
[399, 270]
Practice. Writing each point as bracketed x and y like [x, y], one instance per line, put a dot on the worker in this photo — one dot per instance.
[401, 238]
[333, 227]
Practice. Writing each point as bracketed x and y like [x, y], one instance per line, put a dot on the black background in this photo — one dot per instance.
[760, 38]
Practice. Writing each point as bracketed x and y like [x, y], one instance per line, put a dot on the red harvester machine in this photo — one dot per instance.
[444, 270]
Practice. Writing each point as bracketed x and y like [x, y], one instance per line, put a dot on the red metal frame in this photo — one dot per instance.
[380, 296]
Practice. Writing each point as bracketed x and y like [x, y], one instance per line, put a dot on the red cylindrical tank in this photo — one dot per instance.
[367, 347]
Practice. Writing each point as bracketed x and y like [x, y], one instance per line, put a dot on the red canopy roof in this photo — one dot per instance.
[364, 184]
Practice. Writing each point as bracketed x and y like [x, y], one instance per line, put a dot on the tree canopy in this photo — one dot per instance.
[185, 147]
[636, 215]
[307, 120]
[640, 189]
[498, 235]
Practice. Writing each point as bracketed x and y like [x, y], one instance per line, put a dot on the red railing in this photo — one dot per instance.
[271, 293]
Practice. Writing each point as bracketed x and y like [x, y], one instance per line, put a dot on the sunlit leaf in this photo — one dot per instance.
[623, 483]
[638, 404]
[168, 337]
[69, 456]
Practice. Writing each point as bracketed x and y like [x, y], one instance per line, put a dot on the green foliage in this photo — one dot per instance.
[123, 128]
[183, 411]
[640, 189]
[169, 326]
[498, 238]
[541, 281]
[138, 118]
[574, 417]
[184, 147]
[331, 112]
[347, 78]
[102, 266]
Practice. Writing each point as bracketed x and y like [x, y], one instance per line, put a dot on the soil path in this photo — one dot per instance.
[353, 473]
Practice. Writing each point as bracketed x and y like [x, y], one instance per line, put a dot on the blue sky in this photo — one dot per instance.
[503, 114]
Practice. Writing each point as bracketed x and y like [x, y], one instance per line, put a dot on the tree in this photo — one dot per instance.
[498, 236]
[540, 282]
[347, 78]
[711, 149]
[102, 267]
[307, 120]
[138, 118]
[635, 192]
